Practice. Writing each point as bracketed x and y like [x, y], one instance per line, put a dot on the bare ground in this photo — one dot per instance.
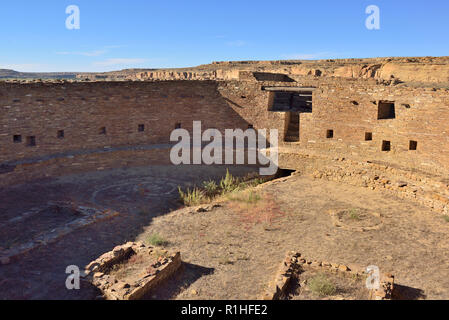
[233, 251]
[346, 288]
[239, 259]
[139, 194]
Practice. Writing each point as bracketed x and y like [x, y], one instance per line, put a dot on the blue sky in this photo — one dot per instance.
[117, 34]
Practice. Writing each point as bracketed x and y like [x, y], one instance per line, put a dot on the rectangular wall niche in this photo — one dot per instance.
[368, 136]
[178, 125]
[413, 145]
[31, 141]
[386, 145]
[61, 134]
[386, 110]
[17, 138]
[102, 130]
[292, 101]
[329, 134]
[141, 128]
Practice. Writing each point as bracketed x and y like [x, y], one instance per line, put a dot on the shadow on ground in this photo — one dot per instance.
[138, 194]
[181, 281]
[407, 293]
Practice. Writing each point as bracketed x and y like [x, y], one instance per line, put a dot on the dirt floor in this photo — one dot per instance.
[344, 287]
[232, 257]
[231, 251]
[139, 194]
[134, 268]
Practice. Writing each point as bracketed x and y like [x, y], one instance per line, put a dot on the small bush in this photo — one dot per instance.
[321, 286]
[210, 188]
[228, 183]
[354, 214]
[446, 218]
[192, 197]
[156, 240]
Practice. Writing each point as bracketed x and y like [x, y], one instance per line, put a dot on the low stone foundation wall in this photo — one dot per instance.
[293, 264]
[425, 188]
[103, 272]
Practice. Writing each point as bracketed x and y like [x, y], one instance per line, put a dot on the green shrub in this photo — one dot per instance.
[228, 183]
[321, 286]
[354, 214]
[446, 218]
[192, 197]
[210, 188]
[156, 240]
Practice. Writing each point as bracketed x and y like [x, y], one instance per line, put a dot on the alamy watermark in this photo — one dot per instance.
[373, 20]
[190, 150]
[72, 282]
[73, 21]
[373, 279]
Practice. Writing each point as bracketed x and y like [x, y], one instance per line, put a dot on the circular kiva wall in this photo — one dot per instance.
[58, 128]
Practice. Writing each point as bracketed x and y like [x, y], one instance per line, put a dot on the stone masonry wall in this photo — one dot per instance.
[107, 115]
[349, 108]
[104, 114]
[351, 112]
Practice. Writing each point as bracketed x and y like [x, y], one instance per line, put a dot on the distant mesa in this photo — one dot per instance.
[418, 70]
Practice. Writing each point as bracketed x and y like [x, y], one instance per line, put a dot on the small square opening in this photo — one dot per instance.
[250, 126]
[329, 134]
[413, 145]
[386, 145]
[102, 130]
[368, 136]
[141, 128]
[60, 134]
[17, 138]
[178, 126]
[386, 110]
[31, 141]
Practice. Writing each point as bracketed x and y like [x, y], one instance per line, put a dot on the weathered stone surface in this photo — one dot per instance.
[278, 288]
[150, 277]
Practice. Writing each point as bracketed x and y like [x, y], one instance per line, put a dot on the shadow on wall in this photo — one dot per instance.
[115, 130]
[278, 77]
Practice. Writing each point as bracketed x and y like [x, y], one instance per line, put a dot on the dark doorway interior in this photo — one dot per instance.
[292, 125]
[292, 101]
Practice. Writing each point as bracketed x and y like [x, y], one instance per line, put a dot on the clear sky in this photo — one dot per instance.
[118, 34]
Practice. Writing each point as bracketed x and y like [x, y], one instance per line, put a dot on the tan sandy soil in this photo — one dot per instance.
[232, 251]
[231, 257]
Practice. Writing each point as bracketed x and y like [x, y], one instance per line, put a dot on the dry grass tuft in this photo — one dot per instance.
[321, 286]
[156, 240]
[210, 190]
